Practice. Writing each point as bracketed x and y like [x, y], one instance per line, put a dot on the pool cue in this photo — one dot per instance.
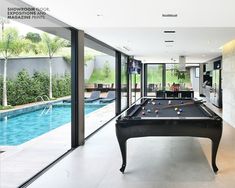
[179, 105]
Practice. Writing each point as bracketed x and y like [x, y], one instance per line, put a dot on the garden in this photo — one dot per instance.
[24, 88]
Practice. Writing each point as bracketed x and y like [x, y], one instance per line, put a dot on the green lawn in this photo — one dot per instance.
[170, 78]
[155, 76]
[99, 77]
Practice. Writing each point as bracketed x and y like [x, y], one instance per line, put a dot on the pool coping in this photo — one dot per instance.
[7, 149]
[38, 106]
[29, 107]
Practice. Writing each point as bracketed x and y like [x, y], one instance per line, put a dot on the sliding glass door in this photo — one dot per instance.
[154, 78]
[124, 82]
[99, 91]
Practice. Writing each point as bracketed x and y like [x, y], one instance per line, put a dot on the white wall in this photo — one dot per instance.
[194, 80]
[100, 61]
[228, 82]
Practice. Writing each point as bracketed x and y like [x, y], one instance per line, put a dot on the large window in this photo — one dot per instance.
[135, 87]
[170, 77]
[183, 80]
[35, 108]
[154, 78]
[100, 86]
[124, 82]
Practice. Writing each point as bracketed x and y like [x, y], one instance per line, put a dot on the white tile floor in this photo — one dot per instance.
[153, 162]
[19, 163]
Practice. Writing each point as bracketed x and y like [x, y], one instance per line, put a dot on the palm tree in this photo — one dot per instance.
[50, 46]
[3, 21]
[10, 45]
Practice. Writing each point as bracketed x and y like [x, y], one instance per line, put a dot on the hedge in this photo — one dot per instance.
[25, 88]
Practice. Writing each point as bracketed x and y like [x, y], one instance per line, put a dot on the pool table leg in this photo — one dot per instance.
[123, 151]
[215, 145]
[122, 144]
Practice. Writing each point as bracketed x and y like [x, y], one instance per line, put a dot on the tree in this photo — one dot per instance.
[34, 37]
[10, 45]
[107, 70]
[50, 46]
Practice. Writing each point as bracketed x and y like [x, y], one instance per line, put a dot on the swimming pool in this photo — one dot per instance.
[17, 129]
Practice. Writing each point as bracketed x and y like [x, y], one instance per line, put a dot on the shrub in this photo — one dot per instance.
[25, 88]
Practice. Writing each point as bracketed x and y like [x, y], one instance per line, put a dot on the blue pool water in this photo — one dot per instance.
[18, 129]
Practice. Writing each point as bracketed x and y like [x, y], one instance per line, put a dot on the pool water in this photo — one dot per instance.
[18, 129]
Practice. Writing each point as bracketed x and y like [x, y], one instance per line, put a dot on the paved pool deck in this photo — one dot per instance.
[19, 163]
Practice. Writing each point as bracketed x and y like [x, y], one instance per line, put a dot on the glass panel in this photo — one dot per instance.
[35, 109]
[138, 86]
[124, 81]
[154, 78]
[181, 80]
[99, 87]
[135, 87]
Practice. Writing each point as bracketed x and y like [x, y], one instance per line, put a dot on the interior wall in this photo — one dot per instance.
[228, 84]
[194, 80]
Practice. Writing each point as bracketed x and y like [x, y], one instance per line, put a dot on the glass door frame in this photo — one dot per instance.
[145, 77]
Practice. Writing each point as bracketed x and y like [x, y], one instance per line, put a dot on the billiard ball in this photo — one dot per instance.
[143, 113]
[159, 103]
[148, 111]
[176, 109]
[169, 102]
[156, 111]
[143, 108]
[178, 112]
[153, 103]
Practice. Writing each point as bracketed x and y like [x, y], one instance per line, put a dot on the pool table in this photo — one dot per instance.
[163, 117]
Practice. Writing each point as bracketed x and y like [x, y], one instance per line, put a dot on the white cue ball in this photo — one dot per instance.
[178, 112]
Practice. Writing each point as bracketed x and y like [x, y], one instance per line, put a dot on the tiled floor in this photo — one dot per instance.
[153, 162]
[19, 163]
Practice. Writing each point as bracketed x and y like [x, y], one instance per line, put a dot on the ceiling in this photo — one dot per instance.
[201, 26]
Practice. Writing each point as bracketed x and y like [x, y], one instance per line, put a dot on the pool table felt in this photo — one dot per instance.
[164, 110]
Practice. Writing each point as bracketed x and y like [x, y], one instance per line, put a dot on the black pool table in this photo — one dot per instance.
[163, 117]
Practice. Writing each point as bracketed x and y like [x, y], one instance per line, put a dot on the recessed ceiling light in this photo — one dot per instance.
[169, 31]
[170, 15]
[169, 41]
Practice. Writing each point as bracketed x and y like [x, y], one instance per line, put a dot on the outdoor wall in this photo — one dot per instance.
[194, 80]
[33, 64]
[228, 84]
[100, 61]
[88, 69]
